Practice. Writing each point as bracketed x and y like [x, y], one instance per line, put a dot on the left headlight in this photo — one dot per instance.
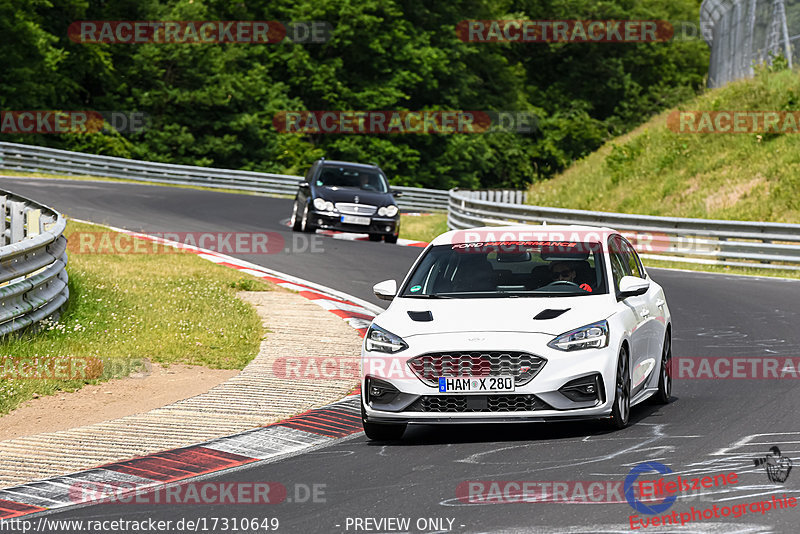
[380, 340]
[388, 211]
[591, 336]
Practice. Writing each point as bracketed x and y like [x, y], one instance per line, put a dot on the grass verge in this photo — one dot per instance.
[655, 170]
[423, 227]
[659, 170]
[126, 310]
[721, 269]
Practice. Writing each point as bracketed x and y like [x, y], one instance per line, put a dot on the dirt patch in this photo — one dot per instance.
[731, 194]
[111, 400]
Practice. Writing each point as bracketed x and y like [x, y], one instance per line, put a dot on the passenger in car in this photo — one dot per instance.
[474, 273]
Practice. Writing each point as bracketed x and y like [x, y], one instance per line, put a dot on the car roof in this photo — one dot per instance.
[335, 163]
[524, 232]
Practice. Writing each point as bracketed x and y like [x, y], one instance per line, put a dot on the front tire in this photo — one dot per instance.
[391, 239]
[305, 225]
[621, 411]
[294, 222]
[382, 431]
[665, 380]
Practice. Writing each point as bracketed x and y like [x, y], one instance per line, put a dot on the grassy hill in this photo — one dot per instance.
[655, 171]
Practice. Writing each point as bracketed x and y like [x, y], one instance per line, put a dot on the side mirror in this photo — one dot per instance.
[397, 194]
[302, 184]
[631, 286]
[385, 290]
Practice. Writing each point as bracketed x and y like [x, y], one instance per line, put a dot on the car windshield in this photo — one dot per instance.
[367, 180]
[508, 270]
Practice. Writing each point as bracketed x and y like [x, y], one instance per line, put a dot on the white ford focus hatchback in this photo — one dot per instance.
[518, 323]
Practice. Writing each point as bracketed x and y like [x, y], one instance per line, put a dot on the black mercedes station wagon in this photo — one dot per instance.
[347, 197]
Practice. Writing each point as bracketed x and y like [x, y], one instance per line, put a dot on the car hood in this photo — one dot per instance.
[557, 315]
[346, 194]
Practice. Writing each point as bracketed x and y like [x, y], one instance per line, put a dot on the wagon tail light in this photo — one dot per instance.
[591, 336]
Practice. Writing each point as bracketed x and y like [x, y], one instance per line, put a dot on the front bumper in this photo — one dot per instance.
[326, 220]
[541, 399]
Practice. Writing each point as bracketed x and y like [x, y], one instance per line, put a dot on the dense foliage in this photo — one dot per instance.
[214, 104]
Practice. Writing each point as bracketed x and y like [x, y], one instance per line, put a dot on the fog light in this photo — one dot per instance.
[380, 392]
[388, 228]
[319, 222]
[584, 389]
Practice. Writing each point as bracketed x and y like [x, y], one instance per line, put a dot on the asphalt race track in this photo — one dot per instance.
[710, 427]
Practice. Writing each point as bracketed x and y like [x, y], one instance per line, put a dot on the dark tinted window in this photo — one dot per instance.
[364, 179]
[462, 270]
[310, 172]
[619, 266]
[631, 258]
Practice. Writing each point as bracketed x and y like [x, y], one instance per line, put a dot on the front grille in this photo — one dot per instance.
[521, 365]
[477, 403]
[440, 404]
[356, 209]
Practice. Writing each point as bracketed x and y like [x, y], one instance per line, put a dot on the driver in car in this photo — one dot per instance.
[565, 271]
[562, 270]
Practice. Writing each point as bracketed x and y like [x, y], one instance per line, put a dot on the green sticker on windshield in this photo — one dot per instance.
[415, 289]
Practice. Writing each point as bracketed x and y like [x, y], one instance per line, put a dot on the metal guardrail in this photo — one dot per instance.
[33, 259]
[706, 241]
[19, 157]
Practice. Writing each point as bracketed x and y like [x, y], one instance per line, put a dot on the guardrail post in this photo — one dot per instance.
[766, 241]
[17, 213]
[721, 240]
[33, 224]
[3, 225]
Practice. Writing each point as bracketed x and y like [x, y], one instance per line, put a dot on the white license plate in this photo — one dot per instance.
[475, 384]
[352, 219]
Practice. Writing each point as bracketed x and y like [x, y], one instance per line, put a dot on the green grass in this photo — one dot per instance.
[656, 171]
[723, 269]
[126, 310]
[423, 227]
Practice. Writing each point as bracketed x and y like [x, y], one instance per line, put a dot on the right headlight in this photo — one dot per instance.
[388, 211]
[591, 336]
[380, 340]
[323, 205]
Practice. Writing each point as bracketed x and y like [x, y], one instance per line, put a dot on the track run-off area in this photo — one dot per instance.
[712, 426]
